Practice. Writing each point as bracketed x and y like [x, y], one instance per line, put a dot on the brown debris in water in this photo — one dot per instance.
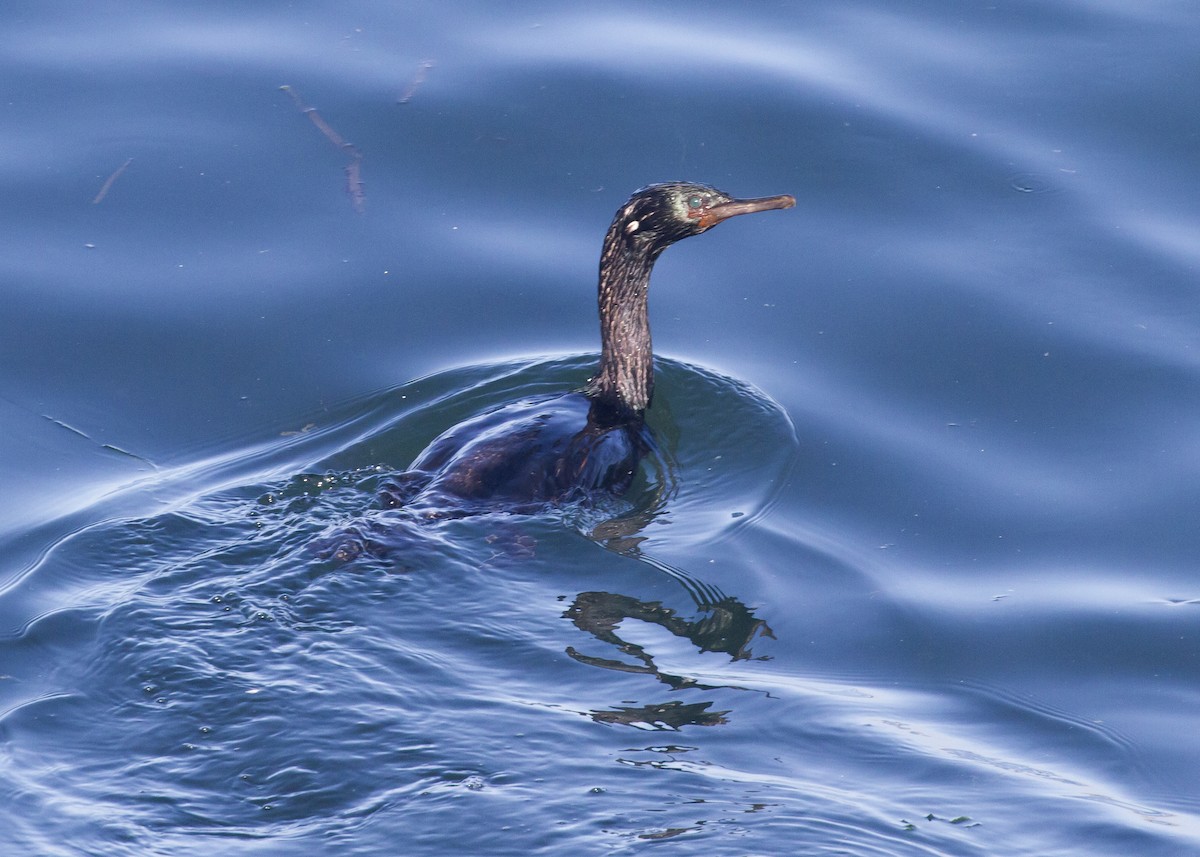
[108, 183]
[423, 68]
[354, 184]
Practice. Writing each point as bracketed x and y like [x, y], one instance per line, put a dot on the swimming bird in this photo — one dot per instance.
[563, 447]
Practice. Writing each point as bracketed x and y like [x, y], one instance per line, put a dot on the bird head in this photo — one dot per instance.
[660, 214]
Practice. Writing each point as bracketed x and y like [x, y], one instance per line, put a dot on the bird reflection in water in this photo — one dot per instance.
[724, 625]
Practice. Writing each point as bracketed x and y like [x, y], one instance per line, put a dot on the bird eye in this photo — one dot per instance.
[694, 201]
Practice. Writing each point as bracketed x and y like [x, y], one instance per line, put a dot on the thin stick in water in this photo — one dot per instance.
[422, 71]
[354, 185]
[109, 182]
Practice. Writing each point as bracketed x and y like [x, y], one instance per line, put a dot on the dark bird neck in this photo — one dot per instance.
[655, 217]
[624, 381]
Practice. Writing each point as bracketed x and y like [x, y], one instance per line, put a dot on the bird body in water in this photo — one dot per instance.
[563, 447]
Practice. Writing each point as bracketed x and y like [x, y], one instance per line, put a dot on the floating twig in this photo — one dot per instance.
[422, 72]
[106, 446]
[108, 183]
[354, 185]
[305, 429]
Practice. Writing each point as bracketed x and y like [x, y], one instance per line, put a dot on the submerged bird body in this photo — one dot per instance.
[555, 448]
[520, 456]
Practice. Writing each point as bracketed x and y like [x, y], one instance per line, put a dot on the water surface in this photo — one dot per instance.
[914, 576]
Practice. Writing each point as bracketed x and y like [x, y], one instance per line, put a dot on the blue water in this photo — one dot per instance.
[913, 574]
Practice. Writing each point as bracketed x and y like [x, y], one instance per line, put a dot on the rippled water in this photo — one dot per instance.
[914, 572]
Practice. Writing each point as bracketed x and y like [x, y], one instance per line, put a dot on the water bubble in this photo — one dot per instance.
[1030, 183]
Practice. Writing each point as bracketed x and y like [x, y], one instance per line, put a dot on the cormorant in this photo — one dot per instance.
[543, 449]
